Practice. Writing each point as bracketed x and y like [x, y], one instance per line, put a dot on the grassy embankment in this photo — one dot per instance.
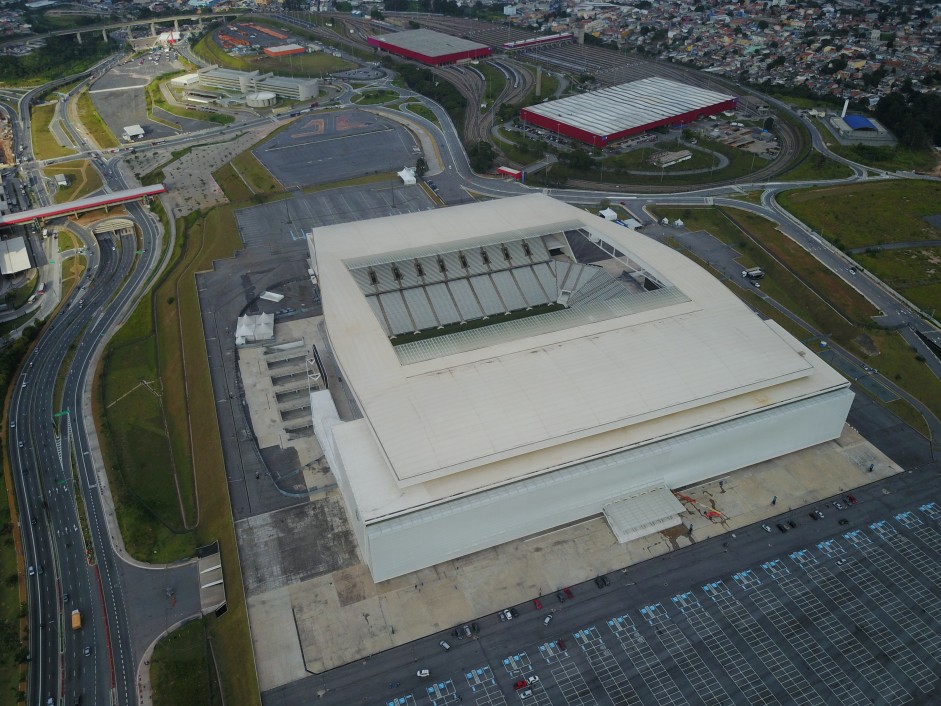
[152, 434]
[816, 166]
[45, 145]
[94, 124]
[375, 97]
[800, 283]
[423, 111]
[83, 179]
[17, 297]
[861, 219]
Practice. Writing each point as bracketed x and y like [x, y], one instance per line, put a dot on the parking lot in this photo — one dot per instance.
[854, 619]
[325, 148]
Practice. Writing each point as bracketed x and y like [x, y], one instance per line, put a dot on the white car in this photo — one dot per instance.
[423, 673]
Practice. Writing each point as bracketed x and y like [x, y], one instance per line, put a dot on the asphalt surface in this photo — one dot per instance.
[54, 670]
[824, 614]
[331, 147]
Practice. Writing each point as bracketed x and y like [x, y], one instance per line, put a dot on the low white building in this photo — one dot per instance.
[522, 364]
[133, 132]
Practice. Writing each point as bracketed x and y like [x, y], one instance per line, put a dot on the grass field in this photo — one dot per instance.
[16, 298]
[255, 174]
[423, 111]
[816, 166]
[83, 179]
[92, 121]
[375, 97]
[67, 240]
[888, 158]
[311, 65]
[868, 215]
[800, 283]
[915, 273]
[167, 327]
[45, 145]
[180, 665]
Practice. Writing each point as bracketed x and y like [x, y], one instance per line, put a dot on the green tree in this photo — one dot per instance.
[421, 167]
[481, 156]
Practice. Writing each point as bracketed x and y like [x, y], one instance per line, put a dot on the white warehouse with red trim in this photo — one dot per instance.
[600, 118]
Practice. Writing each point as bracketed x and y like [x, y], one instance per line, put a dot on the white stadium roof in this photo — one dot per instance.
[428, 42]
[13, 255]
[630, 105]
[527, 396]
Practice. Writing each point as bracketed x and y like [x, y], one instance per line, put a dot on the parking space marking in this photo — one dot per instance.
[407, 700]
[883, 529]
[613, 679]
[515, 665]
[874, 628]
[692, 666]
[645, 660]
[747, 579]
[835, 630]
[914, 555]
[551, 652]
[929, 537]
[442, 692]
[909, 520]
[902, 615]
[725, 651]
[830, 673]
[483, 686]
[803, 557]
[775, 568]
[912, 588]
[778, 663]
[932, 510]
[571, 683]
[831, 548]
[857, 538]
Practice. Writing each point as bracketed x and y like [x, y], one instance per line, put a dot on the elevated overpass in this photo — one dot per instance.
[72, 208]
[122, 24]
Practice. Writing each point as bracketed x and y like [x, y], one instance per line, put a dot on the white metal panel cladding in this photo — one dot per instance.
[618, 108]
[482, 520]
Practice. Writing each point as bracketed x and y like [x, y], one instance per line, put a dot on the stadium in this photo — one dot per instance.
[602, 117]
[432, 48]
[514, 366]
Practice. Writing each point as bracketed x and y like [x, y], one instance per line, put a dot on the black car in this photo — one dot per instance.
[602, 581]
[844, 521]
[515, 613]
[782, 527]
[791, 524]
[560, 596]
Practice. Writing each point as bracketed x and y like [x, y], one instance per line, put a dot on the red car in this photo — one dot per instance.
[568, 593]
[537, 603]
[851, 499]
[560, 643]
[521, 684]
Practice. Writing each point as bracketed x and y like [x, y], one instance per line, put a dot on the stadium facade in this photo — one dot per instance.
[517, 365]
[602, 117]
[429, 47]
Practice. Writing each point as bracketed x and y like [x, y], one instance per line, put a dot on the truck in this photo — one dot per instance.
[76, 619]
[753, 273]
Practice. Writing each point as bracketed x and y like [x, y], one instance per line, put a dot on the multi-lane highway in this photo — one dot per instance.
[53, 456]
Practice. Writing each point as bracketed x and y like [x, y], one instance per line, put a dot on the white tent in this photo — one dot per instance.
[609, 214]
[251, 329]
[407, 175]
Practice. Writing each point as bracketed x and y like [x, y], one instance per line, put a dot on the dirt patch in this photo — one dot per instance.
[866, 345]
[353, 584]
